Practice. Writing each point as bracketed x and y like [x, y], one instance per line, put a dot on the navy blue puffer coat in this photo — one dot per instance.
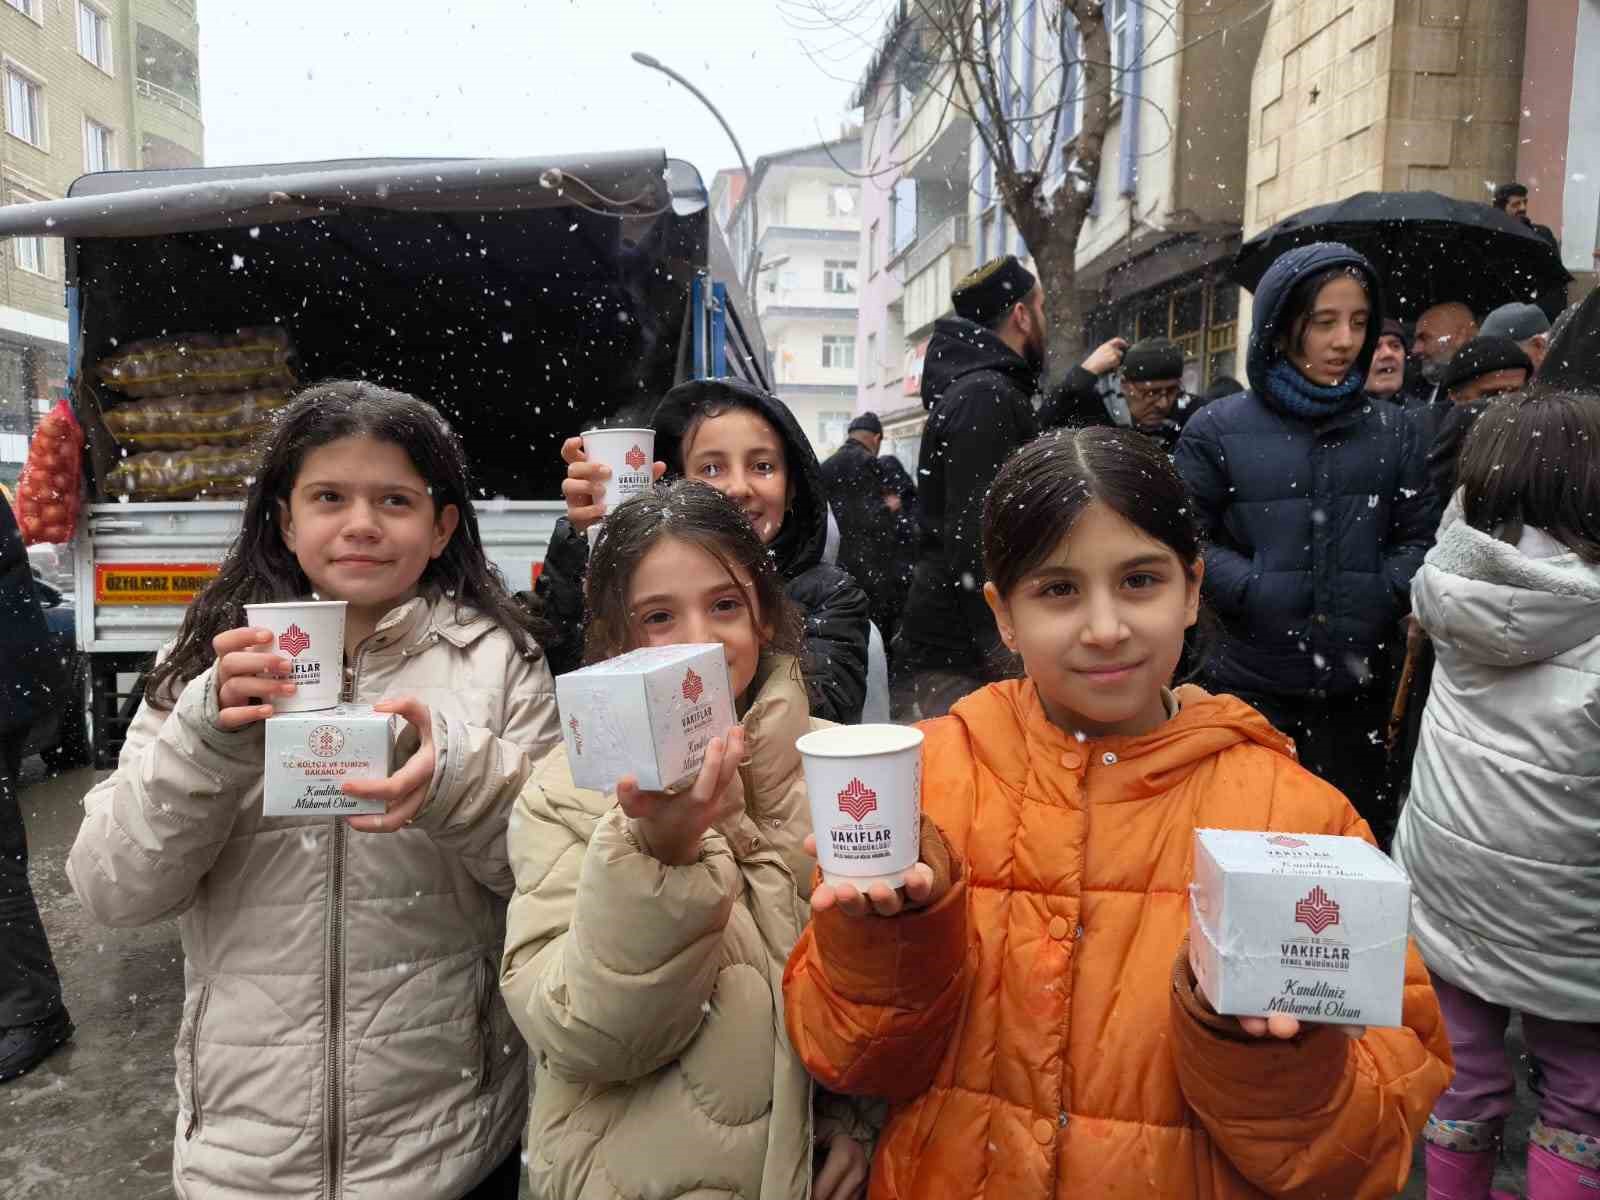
[1314, 527]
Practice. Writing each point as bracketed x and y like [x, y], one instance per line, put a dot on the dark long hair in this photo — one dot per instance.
[1039, 495]
[260, 568]
[1042, 491]
[1533, 459]
[699, 515]
[1302, 302]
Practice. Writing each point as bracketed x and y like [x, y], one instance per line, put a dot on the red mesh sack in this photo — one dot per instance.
[49, 494]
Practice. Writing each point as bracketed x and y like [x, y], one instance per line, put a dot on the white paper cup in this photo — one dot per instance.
[630, 453]
[865, 785]
[310, 634]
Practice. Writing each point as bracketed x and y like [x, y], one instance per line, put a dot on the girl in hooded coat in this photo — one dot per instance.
[1027, 1002]
[746, 444]
[1501, 834]
[1313, 500]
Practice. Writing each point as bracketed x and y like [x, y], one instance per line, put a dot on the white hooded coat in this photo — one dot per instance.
[1501, 836]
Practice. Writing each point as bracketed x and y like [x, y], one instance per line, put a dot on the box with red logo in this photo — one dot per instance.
[649, 713]
[1310, 925]
[309, 755]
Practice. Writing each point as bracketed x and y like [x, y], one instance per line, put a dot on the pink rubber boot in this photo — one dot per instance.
[1464, 1175]
[1551, 1177]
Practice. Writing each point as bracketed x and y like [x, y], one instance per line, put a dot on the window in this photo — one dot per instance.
[1117, 28]
[839, 276]
[985, 235]
[842, 202]
[30, 254]
[28, 8]
[872, 250]
[831, 426]
[903, 216]
[874, 365]
[839, 351]
[24, 108]
[99, 147]
[94, 35]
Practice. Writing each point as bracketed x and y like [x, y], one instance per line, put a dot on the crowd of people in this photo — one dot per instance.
[506, 975]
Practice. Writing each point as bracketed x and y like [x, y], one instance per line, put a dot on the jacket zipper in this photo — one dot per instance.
[485, 1027]
[194, 1064]
[334, 1066]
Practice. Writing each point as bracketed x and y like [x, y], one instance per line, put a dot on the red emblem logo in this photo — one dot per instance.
[634, 458]
[857, 800]
[293, 640]
[693, 687]
[1289, 843]
[577, 735]
[325, 741]
[1317, 911]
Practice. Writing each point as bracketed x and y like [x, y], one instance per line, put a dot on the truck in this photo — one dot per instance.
[527, 298]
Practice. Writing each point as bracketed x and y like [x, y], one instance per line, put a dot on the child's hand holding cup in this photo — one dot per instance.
[604, 468]
[865, 787]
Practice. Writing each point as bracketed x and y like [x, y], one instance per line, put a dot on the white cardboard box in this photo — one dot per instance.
[309, 754]
[649, 713]
[1310, 925]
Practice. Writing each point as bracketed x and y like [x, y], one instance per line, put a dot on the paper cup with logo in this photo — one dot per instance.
[630, 453]
[865, 785]
[310, 634]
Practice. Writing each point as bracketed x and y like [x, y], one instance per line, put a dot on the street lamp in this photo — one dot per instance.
[655, 64]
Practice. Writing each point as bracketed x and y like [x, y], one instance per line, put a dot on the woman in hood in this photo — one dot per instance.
[746, 444]
[1501, 835]
[1313, 500]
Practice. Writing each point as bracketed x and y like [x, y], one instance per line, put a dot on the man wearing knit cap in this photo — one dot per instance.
[1524, 324]
[1484, 368]
[1387, 375]
[979, 376]
[1152, 386]
[866, 528]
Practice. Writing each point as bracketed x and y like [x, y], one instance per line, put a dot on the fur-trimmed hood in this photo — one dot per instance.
[1505, 605]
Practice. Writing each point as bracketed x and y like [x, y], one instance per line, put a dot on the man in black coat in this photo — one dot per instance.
[1512, 199]
[978, 380]
[33, 1021]
[866, 533]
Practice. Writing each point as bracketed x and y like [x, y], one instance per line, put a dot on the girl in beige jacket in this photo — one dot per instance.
[342, 1035]
[646, 939]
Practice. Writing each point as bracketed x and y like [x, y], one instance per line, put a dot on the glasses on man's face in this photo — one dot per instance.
[1150, 391]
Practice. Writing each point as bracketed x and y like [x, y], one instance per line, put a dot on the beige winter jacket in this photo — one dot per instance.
[342, 1034]
[651, 996]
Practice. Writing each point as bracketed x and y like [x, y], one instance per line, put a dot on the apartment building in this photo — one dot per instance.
[1170, 197]
[806, 207]
[89, 85]
[1225, 119]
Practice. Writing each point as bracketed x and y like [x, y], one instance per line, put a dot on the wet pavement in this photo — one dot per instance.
[96, 1119]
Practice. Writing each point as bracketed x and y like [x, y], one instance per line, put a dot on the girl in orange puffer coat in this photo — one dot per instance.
[1026, 1000]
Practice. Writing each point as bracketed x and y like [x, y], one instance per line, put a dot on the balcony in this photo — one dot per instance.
[172, 99]
[934, 140]
[931, 266]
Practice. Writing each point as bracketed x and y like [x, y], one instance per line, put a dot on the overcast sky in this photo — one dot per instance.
[310, 79]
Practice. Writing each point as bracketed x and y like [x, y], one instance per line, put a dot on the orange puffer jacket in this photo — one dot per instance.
[1030, 1025]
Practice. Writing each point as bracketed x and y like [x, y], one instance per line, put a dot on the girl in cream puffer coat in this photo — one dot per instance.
[341, 1035]
[646, 940]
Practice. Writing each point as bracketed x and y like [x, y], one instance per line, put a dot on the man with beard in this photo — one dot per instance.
[978, 381]
[1387, 375]
[1512, 199]
[1441, 331]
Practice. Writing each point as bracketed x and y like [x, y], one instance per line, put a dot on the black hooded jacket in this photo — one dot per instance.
[834, 608]
[979, 396]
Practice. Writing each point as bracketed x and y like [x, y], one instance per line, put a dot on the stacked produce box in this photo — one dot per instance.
[193, 408]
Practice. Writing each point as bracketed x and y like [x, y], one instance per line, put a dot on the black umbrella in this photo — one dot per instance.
[1427, 249]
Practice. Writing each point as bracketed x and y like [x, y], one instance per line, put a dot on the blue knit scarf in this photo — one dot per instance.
[1296, 395]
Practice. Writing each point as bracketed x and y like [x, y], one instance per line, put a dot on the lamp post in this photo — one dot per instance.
[655, 64]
